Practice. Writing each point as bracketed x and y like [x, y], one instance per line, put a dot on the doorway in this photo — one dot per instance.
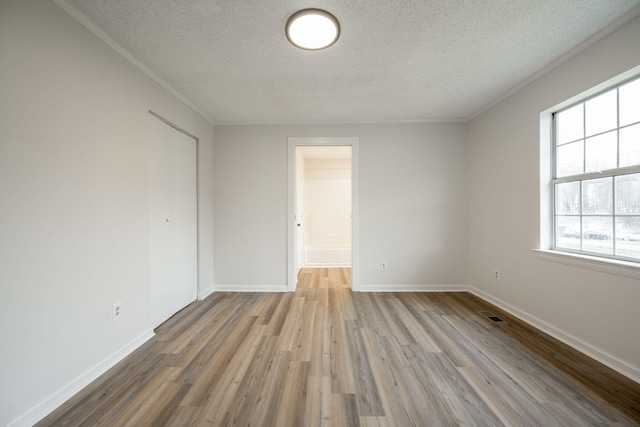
[323, 206]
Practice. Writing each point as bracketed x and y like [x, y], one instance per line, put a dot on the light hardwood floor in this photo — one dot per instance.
[326, 356]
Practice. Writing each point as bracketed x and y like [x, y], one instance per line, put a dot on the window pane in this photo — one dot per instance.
[570, 124]
[596, 233]
[628, 194]
[601, 152]
[630, 103]
[596, 206]
[628, 237]
[568, 232]
[601, 113]
[570, 159]
[568, 198]
[630, 146]
[597, 196]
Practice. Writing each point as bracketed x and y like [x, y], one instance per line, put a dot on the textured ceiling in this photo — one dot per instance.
[396, 60]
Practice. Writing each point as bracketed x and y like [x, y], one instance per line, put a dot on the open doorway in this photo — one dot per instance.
[323, 212]
[323, 216]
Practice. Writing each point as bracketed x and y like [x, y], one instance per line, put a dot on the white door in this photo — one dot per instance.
[299, 216]
[172, 220]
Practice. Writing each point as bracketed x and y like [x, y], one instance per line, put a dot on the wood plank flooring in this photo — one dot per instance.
[324, 356]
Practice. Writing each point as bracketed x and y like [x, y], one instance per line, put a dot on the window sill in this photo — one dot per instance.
[604, 265]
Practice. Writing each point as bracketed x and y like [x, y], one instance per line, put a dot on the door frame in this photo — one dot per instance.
[293, 142]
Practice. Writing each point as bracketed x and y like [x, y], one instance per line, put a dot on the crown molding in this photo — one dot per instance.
[625, 19]
[338, 122]
[102, 35]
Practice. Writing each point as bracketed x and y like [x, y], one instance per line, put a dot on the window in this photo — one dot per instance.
[596, 174]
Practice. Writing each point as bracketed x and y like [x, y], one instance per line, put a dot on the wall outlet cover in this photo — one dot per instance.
[116, 310]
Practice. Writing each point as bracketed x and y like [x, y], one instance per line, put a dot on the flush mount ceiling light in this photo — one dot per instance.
[312, 29]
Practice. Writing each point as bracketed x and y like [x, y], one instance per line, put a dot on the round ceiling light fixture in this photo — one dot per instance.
[312, 29]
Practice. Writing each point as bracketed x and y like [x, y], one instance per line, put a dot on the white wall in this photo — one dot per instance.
[327, 212]
[74, 214]
[595, 310]
[412, 204]
[327, 198]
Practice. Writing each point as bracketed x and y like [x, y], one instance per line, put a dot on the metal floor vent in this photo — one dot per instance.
[491, 316]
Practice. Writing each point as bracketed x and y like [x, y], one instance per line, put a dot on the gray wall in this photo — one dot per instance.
[412, 203]
[74, 215]
[594, 310]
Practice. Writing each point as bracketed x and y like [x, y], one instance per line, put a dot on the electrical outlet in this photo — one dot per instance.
[116, 310]
[496, 274]
[383, 265]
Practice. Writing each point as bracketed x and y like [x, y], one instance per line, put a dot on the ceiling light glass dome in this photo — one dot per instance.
[312, 29]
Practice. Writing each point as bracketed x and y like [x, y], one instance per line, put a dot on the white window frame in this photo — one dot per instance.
[547, 250]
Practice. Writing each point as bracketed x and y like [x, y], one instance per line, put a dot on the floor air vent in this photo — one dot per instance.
[491, 316]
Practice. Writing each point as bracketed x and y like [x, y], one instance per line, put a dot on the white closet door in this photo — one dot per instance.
[172, 220]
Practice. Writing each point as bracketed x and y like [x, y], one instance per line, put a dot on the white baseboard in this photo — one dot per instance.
[205, 293]
[412, 288]
[327, 257]
[311, 265]
[251, 288]
[608, 359]
[50, 403]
